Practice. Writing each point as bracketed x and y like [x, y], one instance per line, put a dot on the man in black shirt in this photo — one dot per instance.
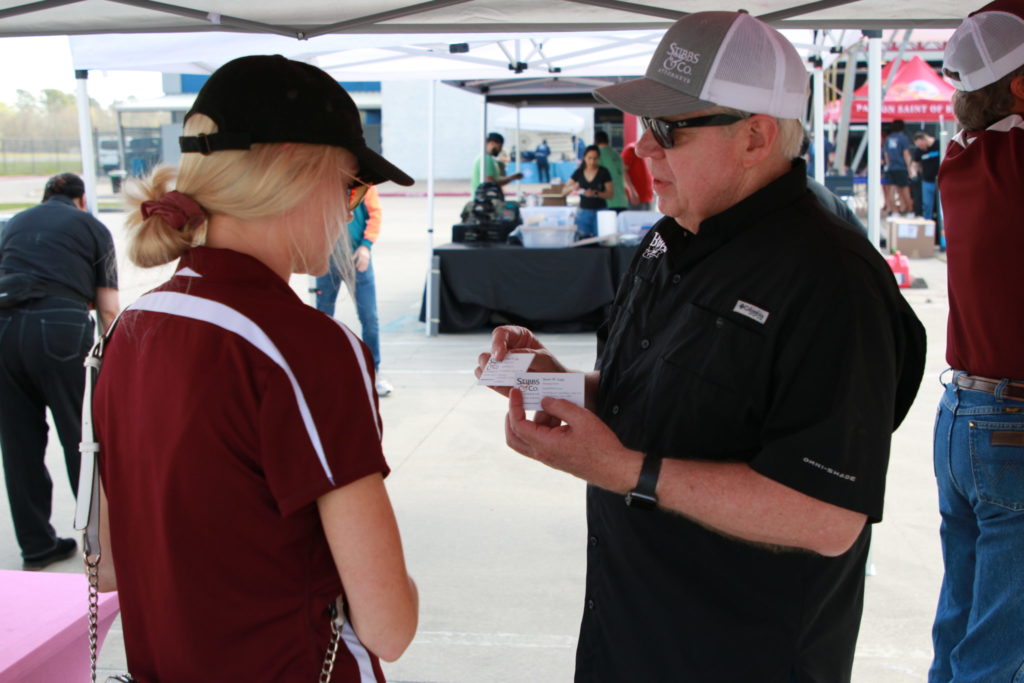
[926, 165]
[756, 361]
[43, 341]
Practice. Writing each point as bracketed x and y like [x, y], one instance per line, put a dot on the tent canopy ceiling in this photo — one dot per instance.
[303, 19]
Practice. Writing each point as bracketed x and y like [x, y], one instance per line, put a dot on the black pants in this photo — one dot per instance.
[42, 346]
[543, 171]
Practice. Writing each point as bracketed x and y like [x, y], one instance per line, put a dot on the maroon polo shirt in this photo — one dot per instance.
[225, 408]
[980, 184]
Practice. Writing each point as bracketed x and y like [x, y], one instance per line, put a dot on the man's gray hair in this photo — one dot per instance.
[791, 131]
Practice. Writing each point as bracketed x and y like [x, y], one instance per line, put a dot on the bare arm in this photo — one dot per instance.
[730, 498]
[108, 305]
[609, 190]
[363, 534]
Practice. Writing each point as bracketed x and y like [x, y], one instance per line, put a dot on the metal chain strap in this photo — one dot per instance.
[332, 647]
[92, 571]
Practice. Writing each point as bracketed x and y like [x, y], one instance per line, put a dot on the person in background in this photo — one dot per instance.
[897, 170]
[243, 515]
[639, 189]
[494, 172]
[756, 360]
[363, 231]
[540, 155]
[829, 199]
[979, 430]
[578, 148]
[43, 342]
[830, 155]
[612, 160]
[926, 167]
[594, 183]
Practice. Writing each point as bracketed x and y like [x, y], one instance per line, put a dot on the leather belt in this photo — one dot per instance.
[974, 383]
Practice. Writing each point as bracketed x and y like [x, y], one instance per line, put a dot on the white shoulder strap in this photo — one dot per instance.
[87, 516]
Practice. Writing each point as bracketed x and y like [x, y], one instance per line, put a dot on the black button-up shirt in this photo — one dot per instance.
[776, 337]
[57, 242]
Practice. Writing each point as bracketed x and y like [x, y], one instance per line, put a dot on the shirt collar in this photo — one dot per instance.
[233, 267]
[723, 227]
[61, 199]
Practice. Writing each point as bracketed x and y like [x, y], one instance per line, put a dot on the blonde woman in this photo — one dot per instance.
[241, 458]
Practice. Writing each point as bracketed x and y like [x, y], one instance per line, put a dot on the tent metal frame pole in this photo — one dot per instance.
[35, 7]
[85, 140]
[843, 134]
[432, 299]
[874, 138]
[214, 19]
[897, 60]
[818, 78]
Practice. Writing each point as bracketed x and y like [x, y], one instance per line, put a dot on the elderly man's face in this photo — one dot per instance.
[694, 179]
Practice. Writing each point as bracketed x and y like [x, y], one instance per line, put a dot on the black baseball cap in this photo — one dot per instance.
[268, 98]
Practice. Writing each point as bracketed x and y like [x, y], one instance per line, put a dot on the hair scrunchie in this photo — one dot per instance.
[178, 209]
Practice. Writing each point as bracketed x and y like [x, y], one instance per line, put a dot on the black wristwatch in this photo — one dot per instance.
[643, 496]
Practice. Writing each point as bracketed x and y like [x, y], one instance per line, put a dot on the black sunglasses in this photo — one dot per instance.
[662, 130]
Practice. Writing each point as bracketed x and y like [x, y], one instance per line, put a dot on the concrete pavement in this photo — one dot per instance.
[497, 542]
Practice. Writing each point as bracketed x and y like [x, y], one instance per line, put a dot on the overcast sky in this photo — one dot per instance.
[35, 64]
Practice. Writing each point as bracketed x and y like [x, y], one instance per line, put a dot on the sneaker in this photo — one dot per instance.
[910, 214]
[64, 549]
[384, 387]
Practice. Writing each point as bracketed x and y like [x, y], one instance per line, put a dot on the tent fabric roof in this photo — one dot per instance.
[304, 19]
[916, 93]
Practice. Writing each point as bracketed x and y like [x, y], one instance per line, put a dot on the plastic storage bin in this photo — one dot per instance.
[548, 215]
[548, 236]
[633, 222]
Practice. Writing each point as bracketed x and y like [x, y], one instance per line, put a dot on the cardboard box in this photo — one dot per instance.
[912, 237]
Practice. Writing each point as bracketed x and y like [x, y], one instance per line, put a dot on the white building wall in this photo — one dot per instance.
[458, 118]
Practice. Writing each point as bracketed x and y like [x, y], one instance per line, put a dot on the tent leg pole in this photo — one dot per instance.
[875, 138]
[433, 262]
[85, 139]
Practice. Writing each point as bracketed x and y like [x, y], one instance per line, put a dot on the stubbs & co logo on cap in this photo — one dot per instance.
[679, 62]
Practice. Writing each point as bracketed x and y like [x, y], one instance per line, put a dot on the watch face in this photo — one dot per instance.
[641, 500]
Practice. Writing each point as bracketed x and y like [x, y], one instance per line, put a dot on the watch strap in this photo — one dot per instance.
[644, 494]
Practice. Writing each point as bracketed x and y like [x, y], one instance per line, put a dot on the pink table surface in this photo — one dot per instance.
[44, 626]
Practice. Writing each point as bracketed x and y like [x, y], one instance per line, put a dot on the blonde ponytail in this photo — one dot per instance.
[153, 241]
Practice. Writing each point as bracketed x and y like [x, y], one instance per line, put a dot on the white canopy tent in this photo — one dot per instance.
[345, 38]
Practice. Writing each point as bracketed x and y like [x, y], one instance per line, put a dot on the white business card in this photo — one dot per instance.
[537, 385]
[503, 373]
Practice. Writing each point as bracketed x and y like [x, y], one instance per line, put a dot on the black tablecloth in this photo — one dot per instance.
[555, 290]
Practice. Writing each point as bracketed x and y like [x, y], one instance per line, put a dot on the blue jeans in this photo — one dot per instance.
[586, 222]
[929, 191]
[366, 304]
[978, 633]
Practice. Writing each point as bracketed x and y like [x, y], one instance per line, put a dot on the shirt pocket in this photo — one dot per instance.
[709, 380]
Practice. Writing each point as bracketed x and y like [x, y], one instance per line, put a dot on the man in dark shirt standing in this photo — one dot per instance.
[43, 342]
[541, 155]
[756, 361]
[926, 166]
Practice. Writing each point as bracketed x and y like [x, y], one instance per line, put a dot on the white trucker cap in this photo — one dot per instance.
[729, 59]
[985, 47]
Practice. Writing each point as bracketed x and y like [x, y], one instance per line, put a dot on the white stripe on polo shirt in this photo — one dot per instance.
[227, 318]
[354, 341]
[359, 653]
